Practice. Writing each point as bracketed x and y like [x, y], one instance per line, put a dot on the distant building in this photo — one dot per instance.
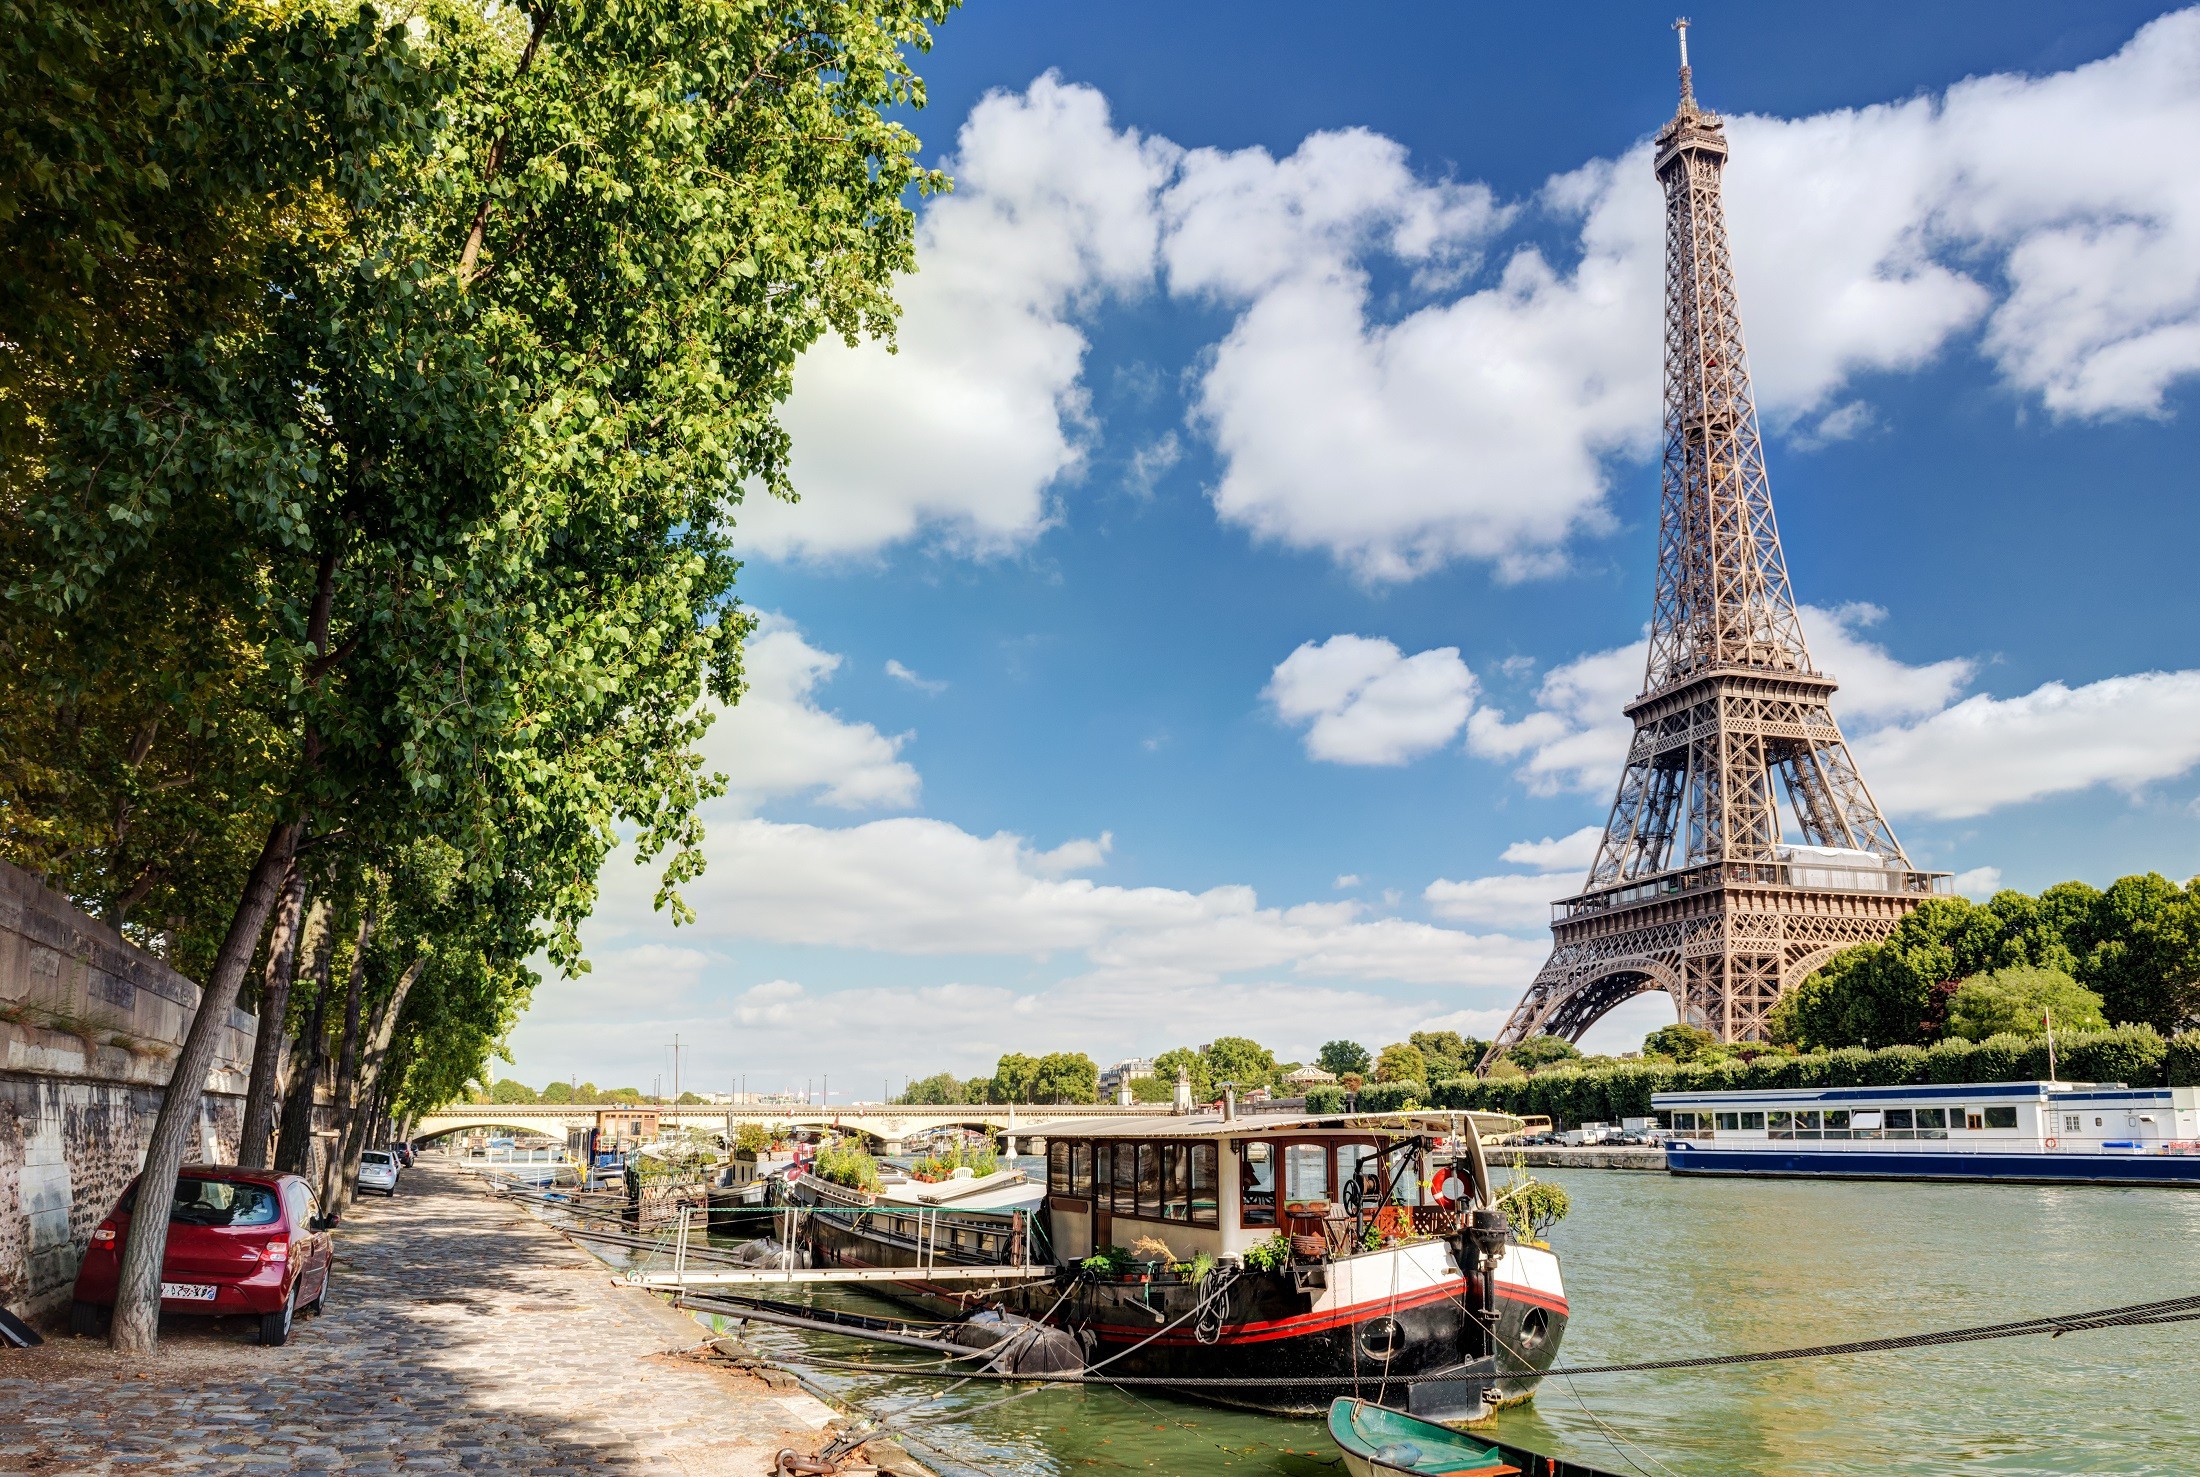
[1119, 1077]
[1309, 1076]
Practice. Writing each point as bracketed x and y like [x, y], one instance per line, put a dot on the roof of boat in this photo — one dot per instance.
[1208, 1124]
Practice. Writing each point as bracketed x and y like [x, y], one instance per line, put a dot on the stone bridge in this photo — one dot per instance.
[888, 1126]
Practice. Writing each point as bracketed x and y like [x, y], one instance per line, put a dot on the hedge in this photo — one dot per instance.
[1569, 1095]
[1326, 1099]
[1392, 1097]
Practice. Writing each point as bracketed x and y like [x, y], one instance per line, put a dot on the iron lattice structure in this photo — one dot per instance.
[1694, 890]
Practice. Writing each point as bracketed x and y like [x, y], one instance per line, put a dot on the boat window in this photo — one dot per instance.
[1865, 1123]
[2071, 1123]
[1305, 1173]
[1257, 1184]
[1837, 1123]
[1783, 1126]
[1753, 1120]
[2003, 1117]
[1126, 1179]
[1203, 1184]
[1971, 1121]
[1149, 1181]
[1684, 1122]
[1176, 1182]
[1101, 1159]
[1901, 1122]
[1728, 1121]
[1806, 1123]
[1058, 1168]
[1080, 1170]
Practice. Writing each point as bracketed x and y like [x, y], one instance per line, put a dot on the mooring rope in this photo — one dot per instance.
[2138, 1315]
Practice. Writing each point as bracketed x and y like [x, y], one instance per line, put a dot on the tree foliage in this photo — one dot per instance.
[1401, 1062]
[2021, 1001]
[1340, 1057]
[2136, 946]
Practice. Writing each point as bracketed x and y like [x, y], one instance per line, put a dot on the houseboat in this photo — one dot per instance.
[2049, 1132]
[737, 1201]
[1309, 1256]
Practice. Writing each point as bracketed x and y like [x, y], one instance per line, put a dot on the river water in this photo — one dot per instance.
[1660, 1268]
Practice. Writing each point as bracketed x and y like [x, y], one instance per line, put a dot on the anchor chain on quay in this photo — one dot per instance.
[462, 1335]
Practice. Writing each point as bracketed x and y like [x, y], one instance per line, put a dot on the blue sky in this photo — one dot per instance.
[1215, 618]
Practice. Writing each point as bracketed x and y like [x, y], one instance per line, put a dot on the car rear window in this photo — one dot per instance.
[375, 1157]
[208, 1202]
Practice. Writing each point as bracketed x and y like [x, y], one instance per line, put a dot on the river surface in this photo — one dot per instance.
[1660, 1268]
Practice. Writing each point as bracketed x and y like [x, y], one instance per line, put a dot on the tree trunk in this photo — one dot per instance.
[137, 1294]
[294, 1145]
[377, 1049]
[267, 1048]
[334, 1191]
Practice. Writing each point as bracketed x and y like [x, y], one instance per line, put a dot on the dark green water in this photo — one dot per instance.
[1666, 1268]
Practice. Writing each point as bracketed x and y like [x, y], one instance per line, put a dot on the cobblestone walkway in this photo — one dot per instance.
[461, 1335]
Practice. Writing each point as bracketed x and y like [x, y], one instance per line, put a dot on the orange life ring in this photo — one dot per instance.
[2051, 1142]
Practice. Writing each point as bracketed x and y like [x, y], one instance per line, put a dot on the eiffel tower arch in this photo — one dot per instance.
[1696, 889]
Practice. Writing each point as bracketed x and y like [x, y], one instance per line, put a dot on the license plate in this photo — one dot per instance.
[187, 1292]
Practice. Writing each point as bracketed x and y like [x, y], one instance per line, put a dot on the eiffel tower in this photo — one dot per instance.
[1693, 890]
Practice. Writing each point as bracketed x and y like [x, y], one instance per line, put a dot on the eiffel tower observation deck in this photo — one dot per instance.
[1697, 888]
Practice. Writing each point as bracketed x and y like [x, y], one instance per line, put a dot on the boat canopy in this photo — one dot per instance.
[1212, 1125]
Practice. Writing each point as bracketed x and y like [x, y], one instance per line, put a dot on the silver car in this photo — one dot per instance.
[378, 1171]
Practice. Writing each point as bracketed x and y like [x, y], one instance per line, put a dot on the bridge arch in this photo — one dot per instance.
[1605, 987]
[430, 1128]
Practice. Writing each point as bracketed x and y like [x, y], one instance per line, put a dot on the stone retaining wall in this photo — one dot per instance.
[89, 1028]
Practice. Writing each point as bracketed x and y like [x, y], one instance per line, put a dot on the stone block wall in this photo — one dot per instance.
[89, 1028]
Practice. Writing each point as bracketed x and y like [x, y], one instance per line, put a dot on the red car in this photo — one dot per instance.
[247, 1241]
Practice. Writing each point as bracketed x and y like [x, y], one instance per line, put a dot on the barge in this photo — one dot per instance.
[1269, 1261]
[2037, 1132]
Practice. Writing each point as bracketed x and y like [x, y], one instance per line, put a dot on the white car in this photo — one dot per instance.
[378, 1171]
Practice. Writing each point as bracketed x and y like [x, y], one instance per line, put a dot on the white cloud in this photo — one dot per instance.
[2057, 216]
[1986, 752]
[1348, 879]
[1979, 882]
[1151, 462]
[1519, 901]
[1368, 703]
[777, 743]
[1922, 751]
[903, 674]
[963, 432]
[1571, 852]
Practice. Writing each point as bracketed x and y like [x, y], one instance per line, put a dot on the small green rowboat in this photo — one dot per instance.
[1380, 1442]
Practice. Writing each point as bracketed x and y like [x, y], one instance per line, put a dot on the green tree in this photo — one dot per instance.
[2014, 1001]
[1016, 1078]
[1240, 1060]
[512, 1090]
[940, 1087]
[1401, 1062]
[558, 1092]
[1154, 1089]
[1194, 1065]
[752, 1138]
[1538, 1052]
[1065, 1077]
[1340, 1057]
[2143, 952]
[461, 482]
[1680, 1042]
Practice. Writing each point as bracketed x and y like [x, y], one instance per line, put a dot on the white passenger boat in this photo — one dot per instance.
[2034, 1131]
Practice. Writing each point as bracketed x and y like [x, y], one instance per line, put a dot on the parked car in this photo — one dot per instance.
[246, 1241]
[378, 1171]
[406, 1157]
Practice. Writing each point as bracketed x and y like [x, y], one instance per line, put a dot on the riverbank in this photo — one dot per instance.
[1587, 1156]
[461, 1335]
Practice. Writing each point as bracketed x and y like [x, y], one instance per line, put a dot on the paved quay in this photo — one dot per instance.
[461, 1335]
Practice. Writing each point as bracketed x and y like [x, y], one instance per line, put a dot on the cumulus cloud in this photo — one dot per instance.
[960, 436]
[778, 744]
[1519, 901]
[1985, 752]
[1980, 882]
[1366, 702]
[904, 675]
[1924, 748]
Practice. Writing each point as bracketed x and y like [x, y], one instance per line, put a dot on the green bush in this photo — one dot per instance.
[2136, 1056]
[2181, 1060]
[1326, 1099]
[847, 1165]
[1391, 1097]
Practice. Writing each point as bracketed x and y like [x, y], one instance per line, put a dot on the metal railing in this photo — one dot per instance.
[1813, 876]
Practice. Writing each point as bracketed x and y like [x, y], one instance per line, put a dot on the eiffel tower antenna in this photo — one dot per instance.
[1696, 889]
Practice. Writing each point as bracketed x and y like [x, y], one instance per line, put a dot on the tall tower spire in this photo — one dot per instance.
[1696, 889]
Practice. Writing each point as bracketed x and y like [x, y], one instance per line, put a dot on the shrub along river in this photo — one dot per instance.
[1660, 1268]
